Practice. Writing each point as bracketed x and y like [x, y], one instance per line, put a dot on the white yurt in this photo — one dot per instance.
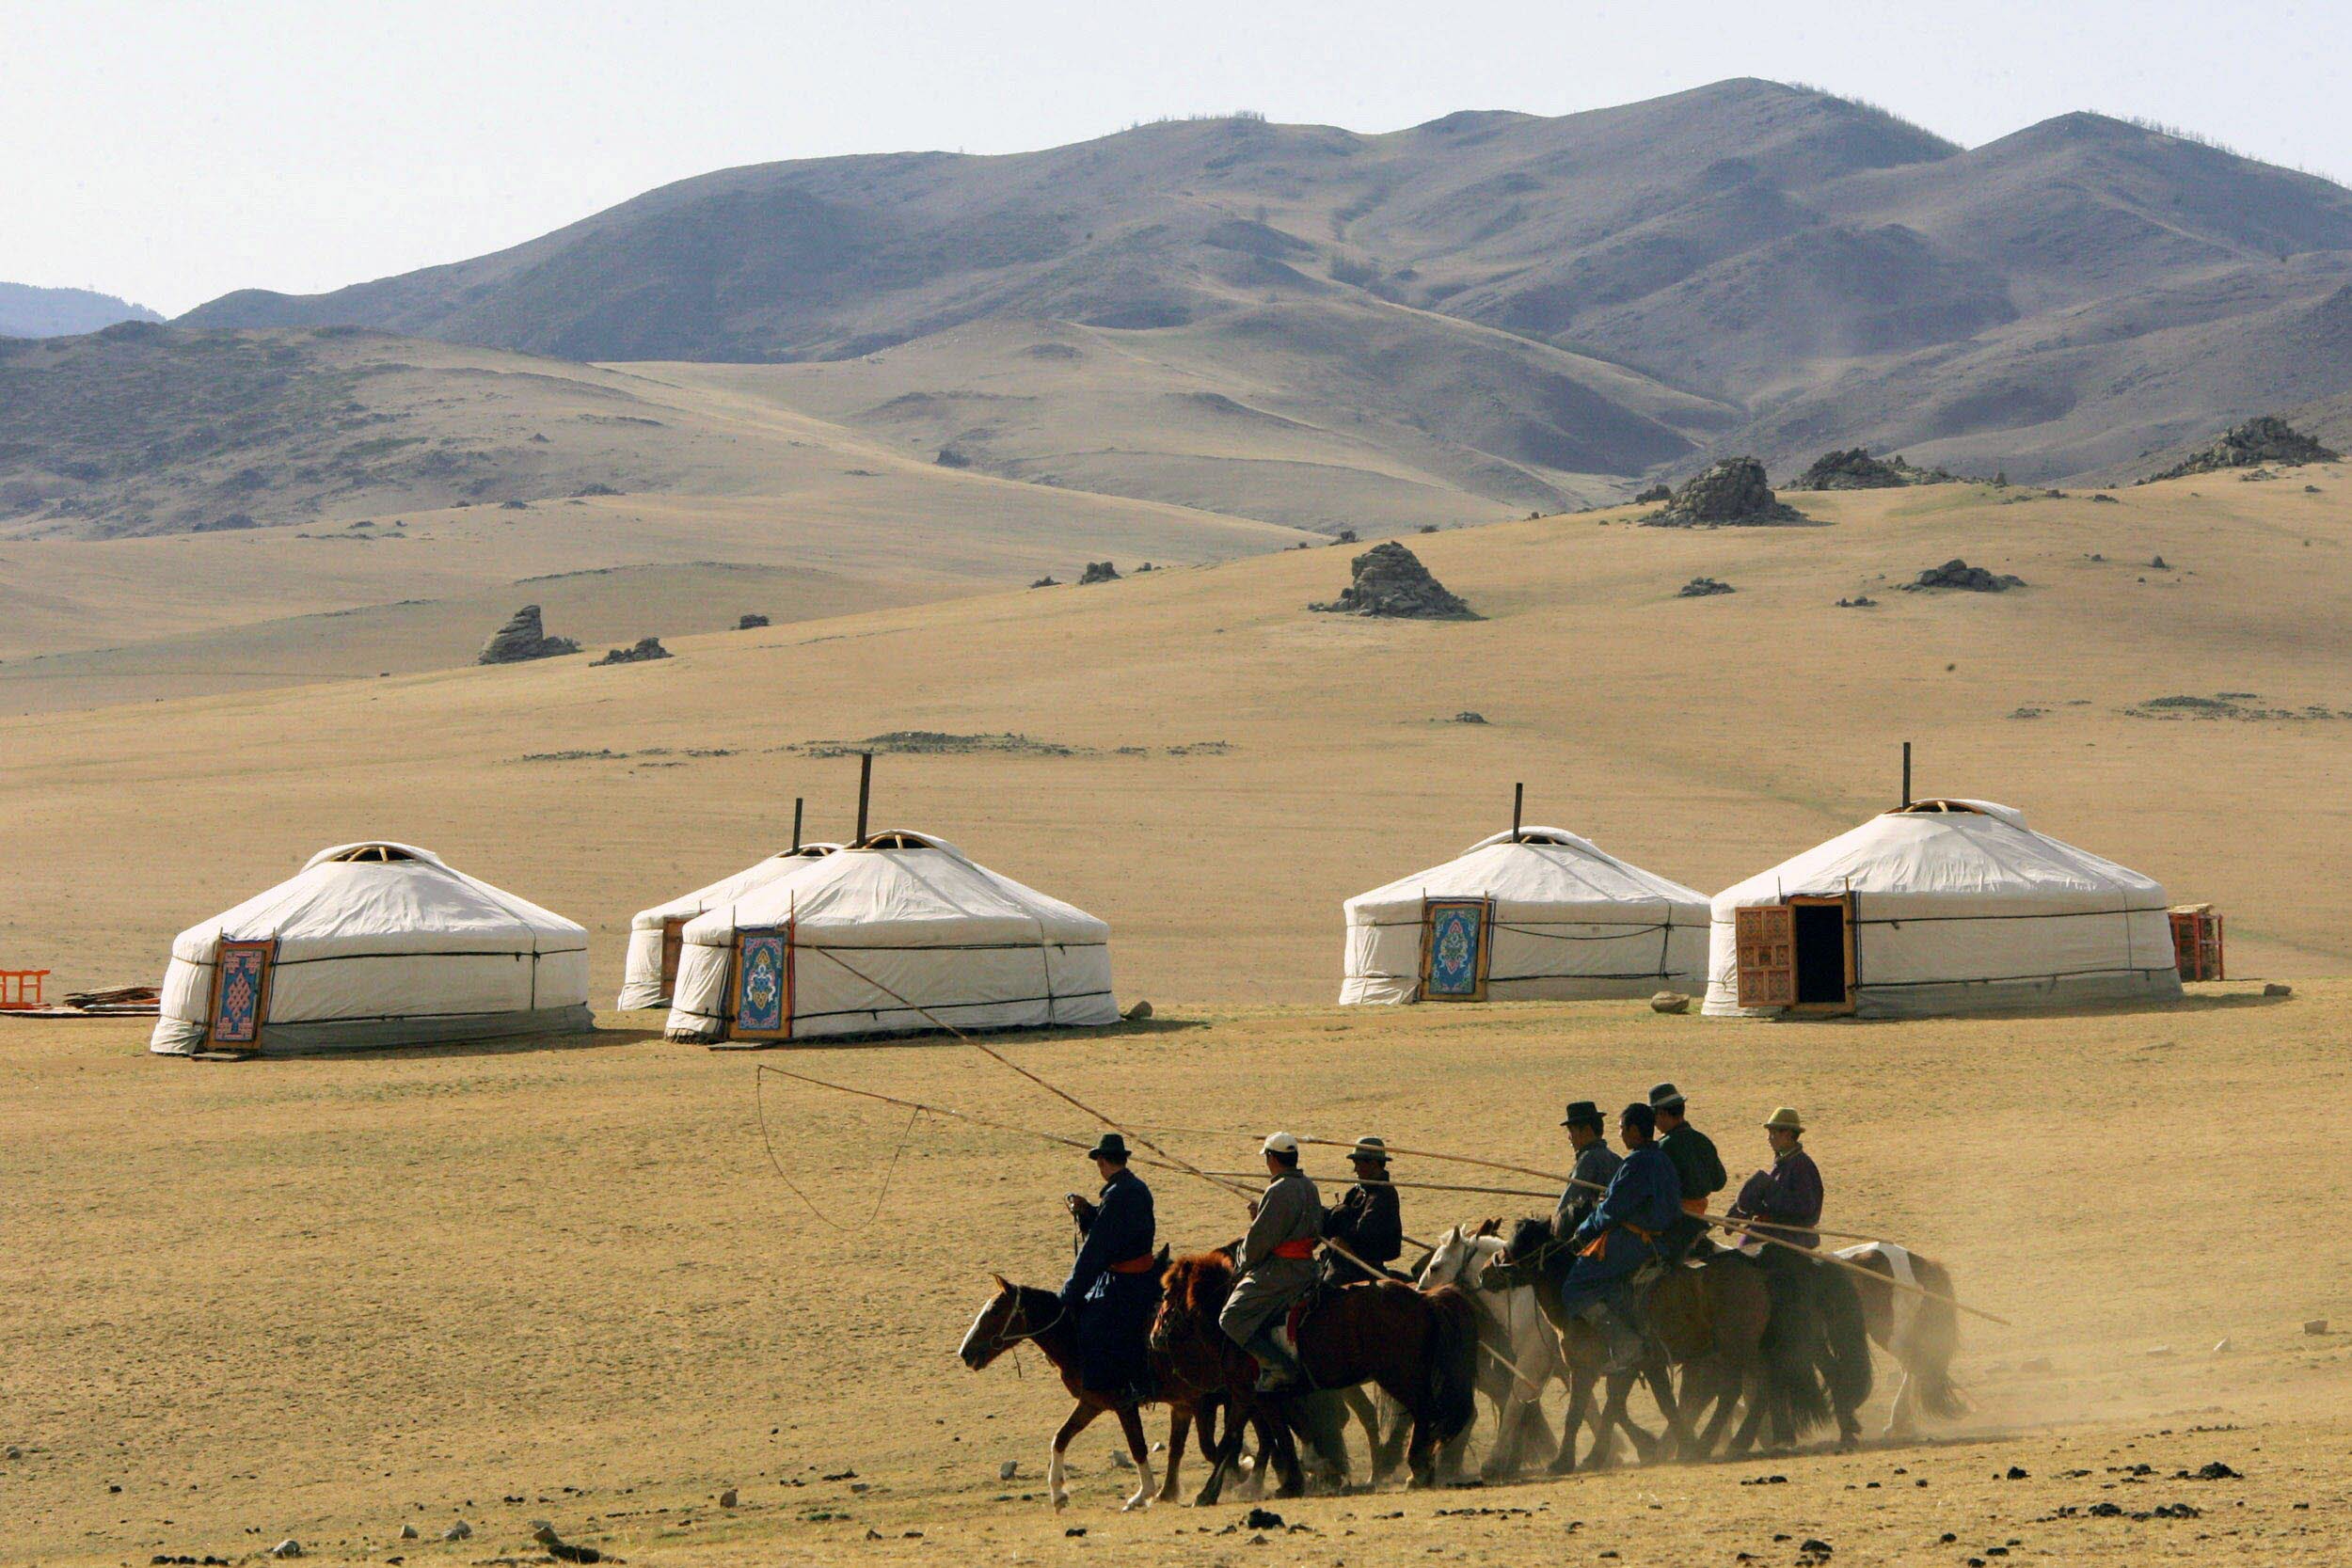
[855, 942]
[1944, 906]
[373, 944]
[1533, 913]
[657, 936]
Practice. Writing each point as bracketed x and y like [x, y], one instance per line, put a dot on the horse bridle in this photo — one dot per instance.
[1001, 1340]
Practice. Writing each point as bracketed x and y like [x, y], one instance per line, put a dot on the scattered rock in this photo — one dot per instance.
[1120, 1460]
[524, 638]
[2158, 564]
[726, 1499]
[1391, 582]
[2258, 441]
[1076, 1530]
[953, 456]
[1262, 1519]
[1813, 1549]
[1048, 580]
[2102, 496]
[2018, 1472]
[2317, 1325]
[1654, 495]
[1856, 469]
[2213, 1470]
[1009, 1469]
[15, 1452]
[750, 623]
[2278, 987]
[1729, 493]
[645, 650]
[1700, 587]
[1098, 571]
[2222, 1348]
[1860, 601]
[1136, 1014]
[1957, 573]
[288, 1547]
[596, 490]
[561, 1550]
[408, 1533]
[458, 1531]
[1344, 536]
[1469, 715]
[1670, 1002]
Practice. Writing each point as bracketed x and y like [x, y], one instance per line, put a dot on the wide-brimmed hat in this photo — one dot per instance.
[1583, 1112]
[1110, 1146]
[1370, 1147]
[1666, 1097]
[1786, 1118]
[1278, 1143]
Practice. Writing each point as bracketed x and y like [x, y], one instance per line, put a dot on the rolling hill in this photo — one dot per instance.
[1746, 265]
[28, 311]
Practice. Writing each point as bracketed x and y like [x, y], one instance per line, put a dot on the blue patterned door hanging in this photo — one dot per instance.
[763, 985]
[241, 978]
[1454, 949]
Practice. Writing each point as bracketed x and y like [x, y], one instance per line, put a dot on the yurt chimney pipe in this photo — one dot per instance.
[865, 790]
[1906, 772]
[797, 800]
[1519, 802]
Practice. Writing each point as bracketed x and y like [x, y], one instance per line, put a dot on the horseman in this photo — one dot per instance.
[1787, 1197]
[1367, 1220]
[1596, 1163]
[1114, 1289]
[1621, 1235]
[1697, 1166]
[1277, 1264]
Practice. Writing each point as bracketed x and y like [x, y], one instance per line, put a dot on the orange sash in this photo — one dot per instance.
[1296, 1250]
[1695, 1206]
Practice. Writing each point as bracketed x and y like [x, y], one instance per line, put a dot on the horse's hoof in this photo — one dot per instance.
[1139, 1501]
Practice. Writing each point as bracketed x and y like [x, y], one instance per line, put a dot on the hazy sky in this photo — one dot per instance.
[173, 152]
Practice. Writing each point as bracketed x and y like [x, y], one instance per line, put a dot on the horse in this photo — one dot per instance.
[1520, 1353]
[1921, 1333]
[1419, 1347]
[1025, 1312]
[1708, 1315]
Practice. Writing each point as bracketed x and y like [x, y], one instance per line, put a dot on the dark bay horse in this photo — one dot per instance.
[1421, 1347]
[1024, 1313]
[1710, 1319]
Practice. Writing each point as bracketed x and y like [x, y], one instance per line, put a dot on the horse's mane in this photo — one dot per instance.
[1528, 1237]
[1198, 1280]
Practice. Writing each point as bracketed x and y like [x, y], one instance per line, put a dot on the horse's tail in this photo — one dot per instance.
[1934, 1338]
[1792, 1356]
[1847, 1336]
[1450, 1373]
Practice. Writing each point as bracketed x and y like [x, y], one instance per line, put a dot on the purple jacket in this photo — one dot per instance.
[1787, 1195]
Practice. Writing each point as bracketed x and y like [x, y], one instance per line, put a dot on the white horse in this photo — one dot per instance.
[1518, 1352]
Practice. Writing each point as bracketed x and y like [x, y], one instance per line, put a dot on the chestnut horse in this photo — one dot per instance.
[1419, 1346]
[1023, 1312]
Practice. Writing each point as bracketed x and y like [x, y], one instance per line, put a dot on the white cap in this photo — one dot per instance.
[1278, 1143]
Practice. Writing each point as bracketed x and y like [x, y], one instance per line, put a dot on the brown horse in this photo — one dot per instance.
[1710, 1319]
[1421, 1347]
[1017, 1313]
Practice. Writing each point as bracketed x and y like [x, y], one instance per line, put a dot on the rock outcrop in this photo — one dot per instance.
[1957, 573]
[2267, 439]
[1701, 588]
[1730, 492]
[524, 638]
[646, 648]
[752, 622]
[1654, 495]
[1391, 582]
[1098, 571]
[1856, 469]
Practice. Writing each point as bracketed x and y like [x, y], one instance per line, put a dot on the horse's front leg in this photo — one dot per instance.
[1579, 1402]
[1179, 1429]
[1131, 1422]
[1056, 1486]
[1677, 1439]
[1236, 1427]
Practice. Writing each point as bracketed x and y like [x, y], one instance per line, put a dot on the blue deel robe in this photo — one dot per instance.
[1113, 1311]
[1645, 1192]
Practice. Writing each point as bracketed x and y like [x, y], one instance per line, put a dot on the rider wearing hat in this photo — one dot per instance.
[1367, 1220]
[1788, 1196]
[1697, 1166]
[1620, 1235]
[1277, 1263]
[1114, 1287]
[1596, 1163]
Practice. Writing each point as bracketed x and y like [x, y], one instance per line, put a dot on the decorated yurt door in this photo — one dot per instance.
[762, 988]
[1457, 942]
[241, 984]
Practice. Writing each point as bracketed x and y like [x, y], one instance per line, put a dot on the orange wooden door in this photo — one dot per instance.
[1767, 942]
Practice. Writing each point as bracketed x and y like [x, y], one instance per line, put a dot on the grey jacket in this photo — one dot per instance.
[1290, 1209]
[1597, 1164]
